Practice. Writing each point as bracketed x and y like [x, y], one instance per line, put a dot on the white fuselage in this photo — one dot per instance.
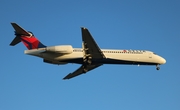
[139, 57]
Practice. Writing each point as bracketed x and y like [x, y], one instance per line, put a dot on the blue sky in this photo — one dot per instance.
[27, 83]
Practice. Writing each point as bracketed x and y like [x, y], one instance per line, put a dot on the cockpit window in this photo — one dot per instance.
[154, 53]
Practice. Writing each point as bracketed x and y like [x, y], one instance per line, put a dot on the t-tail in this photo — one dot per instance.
[28, 39]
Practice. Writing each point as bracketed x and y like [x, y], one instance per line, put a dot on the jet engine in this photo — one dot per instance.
[63, 49]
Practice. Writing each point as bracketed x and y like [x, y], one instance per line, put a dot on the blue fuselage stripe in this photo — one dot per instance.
[107, 61]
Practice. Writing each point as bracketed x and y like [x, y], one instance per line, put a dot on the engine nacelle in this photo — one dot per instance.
[63, 49]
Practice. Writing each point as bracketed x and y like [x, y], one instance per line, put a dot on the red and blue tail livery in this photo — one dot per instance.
[27, 37]
[31, 42]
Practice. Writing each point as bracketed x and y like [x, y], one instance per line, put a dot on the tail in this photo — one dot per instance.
[28, 39]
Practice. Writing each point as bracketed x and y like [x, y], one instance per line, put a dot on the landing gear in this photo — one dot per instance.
[157, 67]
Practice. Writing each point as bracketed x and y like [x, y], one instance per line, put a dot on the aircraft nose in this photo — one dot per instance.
[162, 61]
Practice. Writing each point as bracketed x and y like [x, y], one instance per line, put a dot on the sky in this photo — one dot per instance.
[26, 83]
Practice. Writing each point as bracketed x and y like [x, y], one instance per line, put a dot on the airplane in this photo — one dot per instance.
[90, 56]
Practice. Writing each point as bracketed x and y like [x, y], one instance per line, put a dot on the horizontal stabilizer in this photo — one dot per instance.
[15, 41]
[19, 30]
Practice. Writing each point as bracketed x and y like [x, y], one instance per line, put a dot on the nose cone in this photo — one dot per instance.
[162, 61]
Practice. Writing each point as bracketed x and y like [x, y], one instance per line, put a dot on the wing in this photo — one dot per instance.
[90, 51]
[90, 46]
[81, 70]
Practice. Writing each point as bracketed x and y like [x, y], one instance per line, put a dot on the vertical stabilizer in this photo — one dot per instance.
[28, 39]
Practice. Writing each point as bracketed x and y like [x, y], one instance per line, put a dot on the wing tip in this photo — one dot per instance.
[84, 28]
[13, 23]
[67, 77]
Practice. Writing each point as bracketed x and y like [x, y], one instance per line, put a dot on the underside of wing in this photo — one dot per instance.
[81, 70]
[90, 46]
